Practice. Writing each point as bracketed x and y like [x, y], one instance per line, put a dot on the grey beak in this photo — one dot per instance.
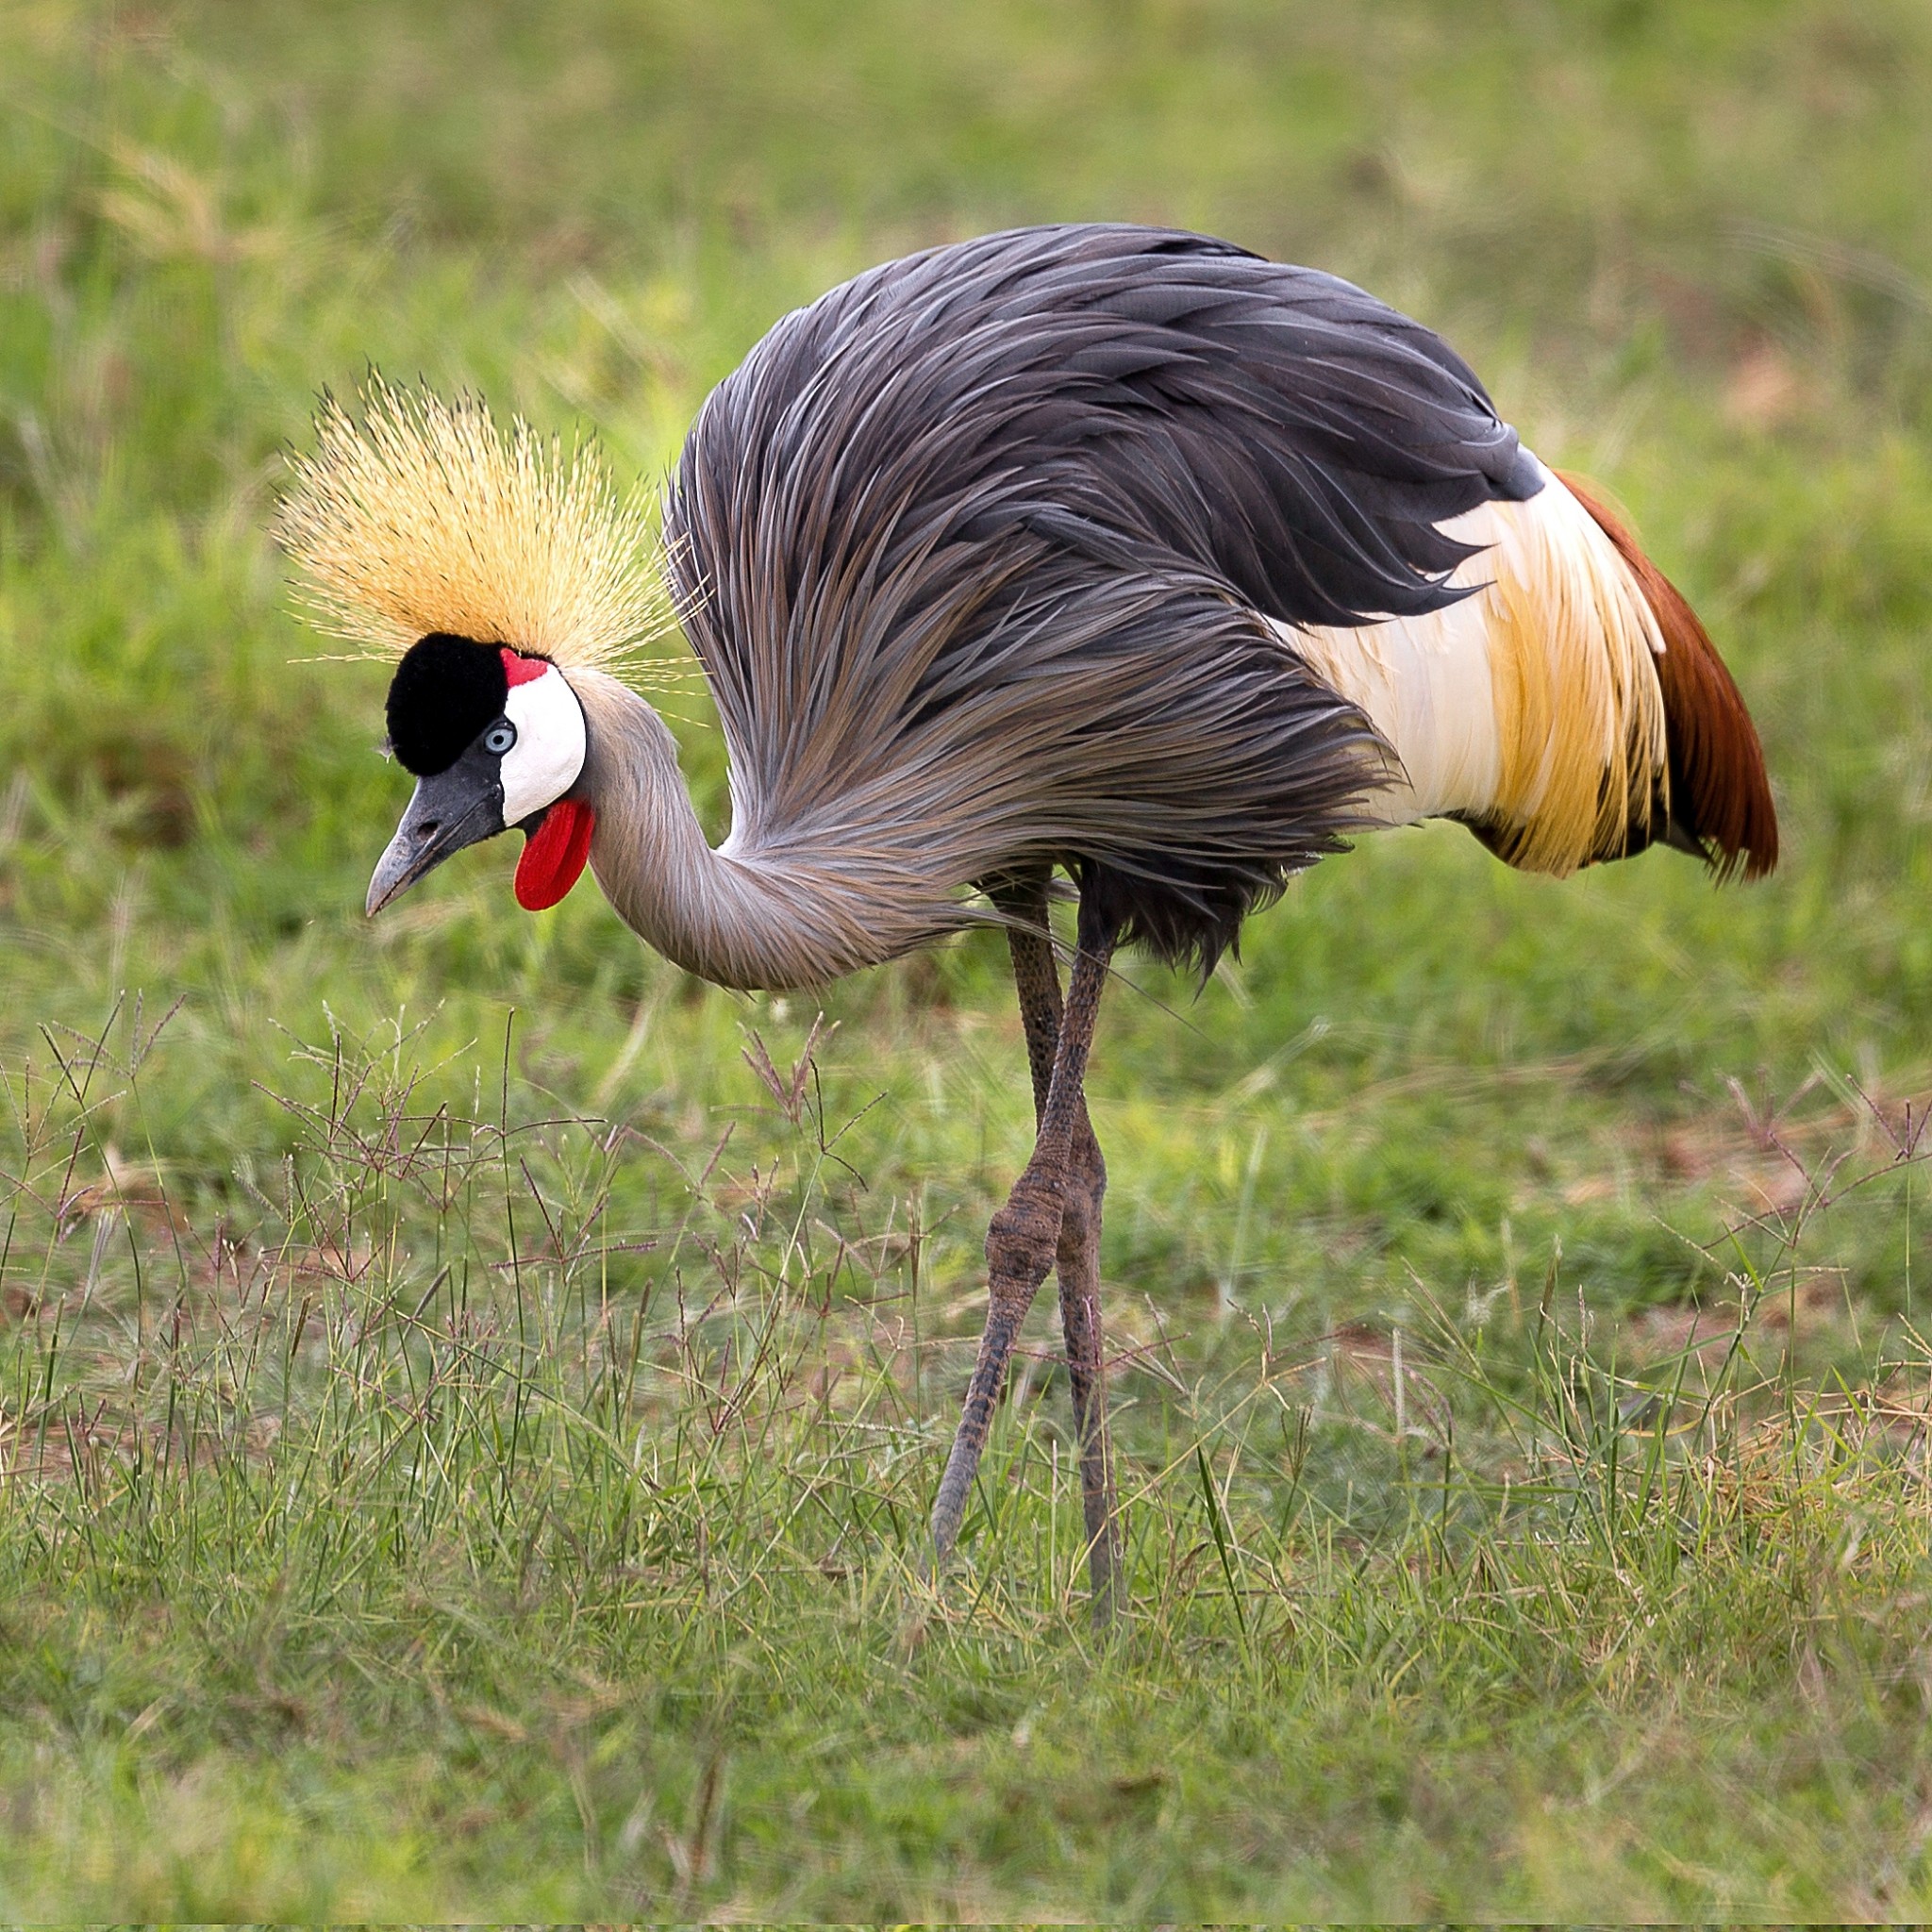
[457, 808]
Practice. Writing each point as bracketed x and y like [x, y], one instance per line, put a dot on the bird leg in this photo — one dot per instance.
[1078, 1257]
[1025, 1237]
[1078, 1265]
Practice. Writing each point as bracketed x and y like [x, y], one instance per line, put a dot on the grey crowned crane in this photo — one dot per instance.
[1109, 550]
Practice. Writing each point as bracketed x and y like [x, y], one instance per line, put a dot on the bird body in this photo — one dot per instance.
[1062, 545]
[1099, 548]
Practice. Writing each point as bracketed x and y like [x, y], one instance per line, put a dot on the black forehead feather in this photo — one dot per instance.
[445, 690]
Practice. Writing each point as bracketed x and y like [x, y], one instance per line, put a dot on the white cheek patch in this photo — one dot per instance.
[544, 761]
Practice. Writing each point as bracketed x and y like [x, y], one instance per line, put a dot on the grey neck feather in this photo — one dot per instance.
[750, 914]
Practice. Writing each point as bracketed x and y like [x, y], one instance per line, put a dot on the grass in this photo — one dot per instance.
[467, 1434]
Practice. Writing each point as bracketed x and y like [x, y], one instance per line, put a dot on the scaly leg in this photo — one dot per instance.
[1023, 1240]
[1078, 1262]
[1078, 1257]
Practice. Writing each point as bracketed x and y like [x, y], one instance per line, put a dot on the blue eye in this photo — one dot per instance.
[500, 736]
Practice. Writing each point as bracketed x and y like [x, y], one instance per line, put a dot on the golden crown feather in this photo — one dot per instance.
[424, 517]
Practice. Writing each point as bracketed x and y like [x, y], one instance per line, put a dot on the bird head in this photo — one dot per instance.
[487, 568]
[494, 738]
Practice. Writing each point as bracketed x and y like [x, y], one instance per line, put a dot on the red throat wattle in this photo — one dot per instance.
[554, 854]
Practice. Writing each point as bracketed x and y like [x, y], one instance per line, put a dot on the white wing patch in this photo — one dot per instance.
[1425, 685]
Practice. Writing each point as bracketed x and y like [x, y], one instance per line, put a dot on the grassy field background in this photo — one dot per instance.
[465, 1437]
